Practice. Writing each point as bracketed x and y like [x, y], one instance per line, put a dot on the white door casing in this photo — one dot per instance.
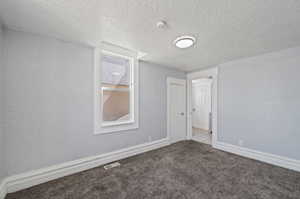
[176, 105]
[212, 73]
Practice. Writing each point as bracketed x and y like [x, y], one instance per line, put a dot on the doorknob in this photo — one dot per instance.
[182, 113]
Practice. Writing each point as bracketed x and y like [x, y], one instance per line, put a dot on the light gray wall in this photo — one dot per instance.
[49, 100]
[259, 103]
[2, 167]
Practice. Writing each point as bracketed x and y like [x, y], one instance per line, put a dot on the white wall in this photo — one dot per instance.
[49, 100]
[2, 168]
[259, 103]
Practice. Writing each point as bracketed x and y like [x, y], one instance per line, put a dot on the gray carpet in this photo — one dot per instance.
[185, 170]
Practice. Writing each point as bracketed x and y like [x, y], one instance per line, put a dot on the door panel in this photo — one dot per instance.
[201, 102]
[177, 104]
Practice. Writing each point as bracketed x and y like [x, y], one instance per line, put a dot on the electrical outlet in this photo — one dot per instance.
[241, 142]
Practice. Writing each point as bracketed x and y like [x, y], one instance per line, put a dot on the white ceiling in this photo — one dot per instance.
[225, 29]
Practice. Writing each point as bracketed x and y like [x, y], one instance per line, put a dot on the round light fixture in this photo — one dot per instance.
[184, 41]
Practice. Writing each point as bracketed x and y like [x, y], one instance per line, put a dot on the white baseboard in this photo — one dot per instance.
[32, 178]
[2, 189]
[261, 156]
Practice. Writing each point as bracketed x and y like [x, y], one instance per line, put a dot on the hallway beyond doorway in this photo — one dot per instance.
[201, 135]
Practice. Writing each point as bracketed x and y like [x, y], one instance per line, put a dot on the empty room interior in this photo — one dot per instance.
[149, 99]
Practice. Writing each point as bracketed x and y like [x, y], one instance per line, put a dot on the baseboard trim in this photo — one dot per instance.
[32, 178]
[276, 160]
[2, 189]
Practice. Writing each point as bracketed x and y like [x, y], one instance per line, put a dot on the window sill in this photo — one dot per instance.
[111, 124]
[116, 128]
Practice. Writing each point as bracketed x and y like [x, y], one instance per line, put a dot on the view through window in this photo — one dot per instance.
[116, 87]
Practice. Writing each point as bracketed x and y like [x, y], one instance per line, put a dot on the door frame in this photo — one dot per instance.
[172, 80]
[213, 72]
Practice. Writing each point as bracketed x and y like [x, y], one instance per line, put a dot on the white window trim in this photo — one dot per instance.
[103, 128]
[131, 89]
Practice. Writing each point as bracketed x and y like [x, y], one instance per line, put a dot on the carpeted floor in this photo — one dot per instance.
[185, 170]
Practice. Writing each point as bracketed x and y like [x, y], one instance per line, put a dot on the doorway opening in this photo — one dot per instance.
[202, 110]
[202, 105]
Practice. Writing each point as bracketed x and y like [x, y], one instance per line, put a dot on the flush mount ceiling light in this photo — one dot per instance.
[184, 41]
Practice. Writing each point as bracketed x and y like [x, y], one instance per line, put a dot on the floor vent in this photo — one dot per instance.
[112, 165]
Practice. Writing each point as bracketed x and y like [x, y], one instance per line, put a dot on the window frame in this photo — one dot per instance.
[130, 89]
[101, 127]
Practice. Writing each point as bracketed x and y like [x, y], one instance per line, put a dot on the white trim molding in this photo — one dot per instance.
[276, 160]
[3, 190]
[32, 178]
[99, 126]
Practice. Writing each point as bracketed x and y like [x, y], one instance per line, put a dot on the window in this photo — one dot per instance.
[116, 89]
[116, 99]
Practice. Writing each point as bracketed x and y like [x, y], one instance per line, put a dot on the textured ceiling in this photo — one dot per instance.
[225, 29]
[71, 20]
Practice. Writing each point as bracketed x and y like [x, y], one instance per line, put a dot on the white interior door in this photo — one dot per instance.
[201, 104]
[177, 109]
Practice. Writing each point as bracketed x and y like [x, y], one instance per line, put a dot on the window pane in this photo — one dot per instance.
[116, 106]
[115, 89]
[115, 70]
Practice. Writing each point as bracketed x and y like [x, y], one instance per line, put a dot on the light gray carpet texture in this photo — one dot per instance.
[184, 170]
